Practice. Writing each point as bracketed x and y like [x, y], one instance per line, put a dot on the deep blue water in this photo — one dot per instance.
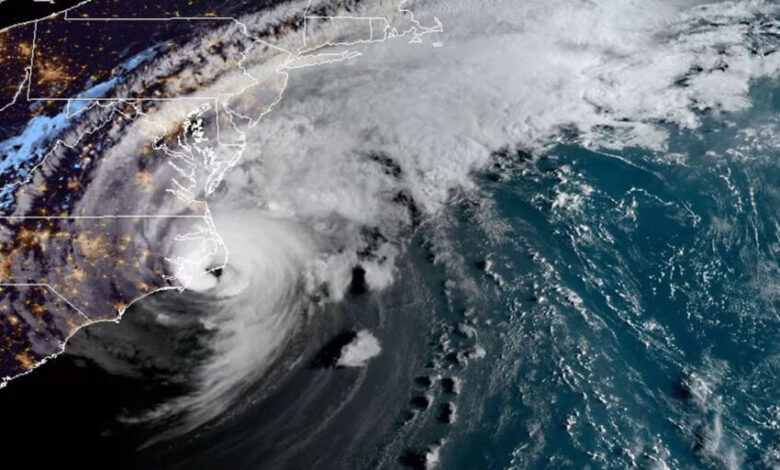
[636, 324]
[595, 309]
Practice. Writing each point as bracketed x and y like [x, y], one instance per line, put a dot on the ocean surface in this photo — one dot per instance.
[564, 242]
[578, 309]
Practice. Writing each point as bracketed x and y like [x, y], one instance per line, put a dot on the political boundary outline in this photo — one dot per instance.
[303, 54]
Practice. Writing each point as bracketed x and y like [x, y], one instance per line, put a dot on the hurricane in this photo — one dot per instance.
[510, 234]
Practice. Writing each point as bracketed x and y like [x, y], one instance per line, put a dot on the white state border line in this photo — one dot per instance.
[5, 380]
[119, 216]
[416, 29]
[207, 216]
[131, 100]
[22, 86]
[31, 173]
[124, 19]
[130, 18]
[23, 23]
[305, 48]
[52, 289]
[32, 59]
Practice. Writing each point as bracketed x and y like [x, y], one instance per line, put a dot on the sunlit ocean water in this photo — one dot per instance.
[582, 308]
[629, 311]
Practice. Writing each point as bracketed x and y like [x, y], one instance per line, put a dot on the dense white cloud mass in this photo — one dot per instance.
[362, 349]
[371, 143]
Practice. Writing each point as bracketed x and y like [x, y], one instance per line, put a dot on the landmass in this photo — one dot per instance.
[94, 126]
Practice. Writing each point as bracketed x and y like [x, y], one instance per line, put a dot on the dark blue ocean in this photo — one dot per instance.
[574, 307]
[582, 308]
[629, 308]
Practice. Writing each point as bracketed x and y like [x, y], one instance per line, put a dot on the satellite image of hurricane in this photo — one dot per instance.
[390, 234]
